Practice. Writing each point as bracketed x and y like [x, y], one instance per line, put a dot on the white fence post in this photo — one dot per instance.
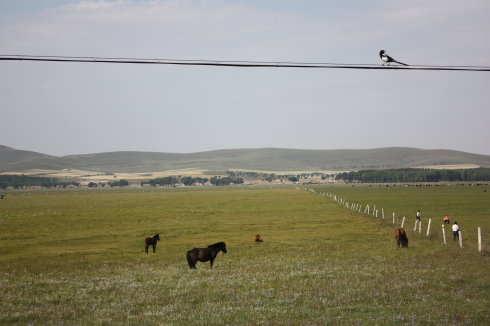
[428, 227]
[443, 234]
[383, 213]
[403, 222]
[376, 213]
[420, 227]
[415, 226]
[374, 209]
[460, 239]
[479, 239]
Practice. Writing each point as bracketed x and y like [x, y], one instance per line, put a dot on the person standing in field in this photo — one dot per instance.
[456, 231]
[417, 219]
[446, 219]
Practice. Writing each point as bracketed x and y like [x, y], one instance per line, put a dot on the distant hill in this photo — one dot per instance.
[268, 159]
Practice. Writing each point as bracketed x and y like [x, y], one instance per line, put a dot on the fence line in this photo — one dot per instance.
[357, 207]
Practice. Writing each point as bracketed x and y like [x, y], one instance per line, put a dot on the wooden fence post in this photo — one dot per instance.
[393, 217]
[443, 234]
[428, 227]
[479, 239]
[460, 239]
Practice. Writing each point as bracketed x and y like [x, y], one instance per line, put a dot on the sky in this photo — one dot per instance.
[80, 108]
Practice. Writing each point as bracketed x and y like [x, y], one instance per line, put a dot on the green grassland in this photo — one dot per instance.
[77, 258]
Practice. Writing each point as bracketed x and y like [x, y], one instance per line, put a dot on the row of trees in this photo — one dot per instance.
[172, 180]
[21, 181]
[120, 183]
[190, 181]
[415, 175]
[218, 181]
[272, 176]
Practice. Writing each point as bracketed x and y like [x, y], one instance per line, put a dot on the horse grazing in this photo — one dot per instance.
[258, 238]
[152, 242]
[401, 238]
[205, 254]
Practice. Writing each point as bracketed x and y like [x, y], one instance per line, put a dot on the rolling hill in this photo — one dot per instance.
[268, 159]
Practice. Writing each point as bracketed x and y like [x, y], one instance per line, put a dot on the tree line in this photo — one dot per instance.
[190, 181]
[415, 175]
[21, 181]
[294, 177]
[172, 180]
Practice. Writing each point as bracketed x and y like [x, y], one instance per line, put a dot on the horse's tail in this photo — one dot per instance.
[189, 259]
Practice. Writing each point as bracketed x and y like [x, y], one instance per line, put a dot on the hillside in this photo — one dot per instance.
[269, 159]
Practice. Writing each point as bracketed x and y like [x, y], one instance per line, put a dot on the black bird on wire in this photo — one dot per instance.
[387, 59]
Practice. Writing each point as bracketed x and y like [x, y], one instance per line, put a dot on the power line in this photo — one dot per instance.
[240, 64]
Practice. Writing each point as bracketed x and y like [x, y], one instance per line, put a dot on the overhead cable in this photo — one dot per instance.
[241, 64]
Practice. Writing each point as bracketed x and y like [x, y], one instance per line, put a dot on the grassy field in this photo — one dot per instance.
[77, 258]
[469, 205]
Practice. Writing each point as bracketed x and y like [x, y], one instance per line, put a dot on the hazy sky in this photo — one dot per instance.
[75, 108]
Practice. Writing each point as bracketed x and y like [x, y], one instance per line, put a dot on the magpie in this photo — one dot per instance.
[387, 59]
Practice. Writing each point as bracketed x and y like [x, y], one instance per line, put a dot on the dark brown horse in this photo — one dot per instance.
[401, 238]
[205, 254]
[152, 242]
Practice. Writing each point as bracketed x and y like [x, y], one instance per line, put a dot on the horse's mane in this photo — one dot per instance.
[217, 244]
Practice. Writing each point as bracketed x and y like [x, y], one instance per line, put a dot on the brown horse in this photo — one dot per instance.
[205, 254]
[152, 242]
[258, 238]
[401, 238]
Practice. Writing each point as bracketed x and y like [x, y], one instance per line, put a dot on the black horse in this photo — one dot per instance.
[152, 242]
[205, 254]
